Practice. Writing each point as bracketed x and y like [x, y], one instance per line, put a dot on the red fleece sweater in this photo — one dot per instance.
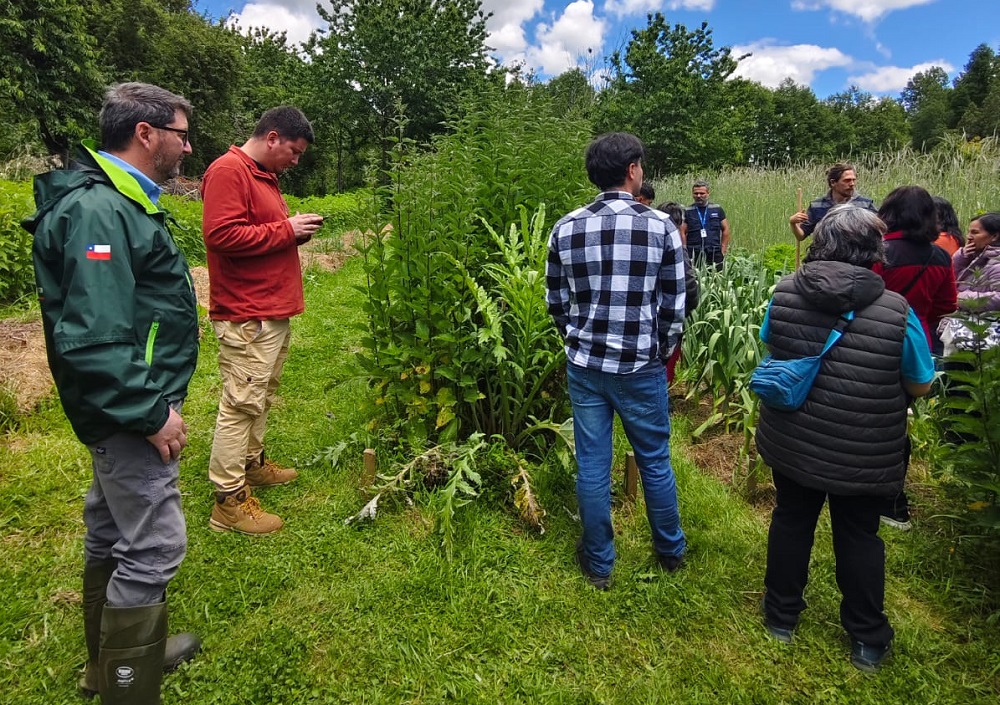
[933, 294]
[253, 260]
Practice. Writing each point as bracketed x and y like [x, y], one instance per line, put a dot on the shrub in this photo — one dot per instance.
[17, 277]
[340, 211]
[186, 214]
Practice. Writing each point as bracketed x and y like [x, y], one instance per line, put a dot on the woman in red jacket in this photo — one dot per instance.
[914, 267]
[920, 271]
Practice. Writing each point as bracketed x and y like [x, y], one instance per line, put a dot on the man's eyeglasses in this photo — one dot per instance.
[182, 133]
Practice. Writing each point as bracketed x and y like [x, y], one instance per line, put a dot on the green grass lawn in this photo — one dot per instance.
[323, 613]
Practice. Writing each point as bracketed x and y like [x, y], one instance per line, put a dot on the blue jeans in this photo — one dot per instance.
[640, 399]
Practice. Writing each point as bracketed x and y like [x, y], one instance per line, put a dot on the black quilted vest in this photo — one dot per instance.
[849, 437]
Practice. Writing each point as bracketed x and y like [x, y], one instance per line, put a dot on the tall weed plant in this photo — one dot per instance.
[459, 341]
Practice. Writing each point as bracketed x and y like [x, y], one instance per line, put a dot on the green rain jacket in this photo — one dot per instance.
[118, 306]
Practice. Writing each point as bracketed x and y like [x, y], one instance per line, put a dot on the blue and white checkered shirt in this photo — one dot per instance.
[615, 281]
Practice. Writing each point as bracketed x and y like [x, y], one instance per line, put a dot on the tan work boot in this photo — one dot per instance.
[241, 512]
[270, 473]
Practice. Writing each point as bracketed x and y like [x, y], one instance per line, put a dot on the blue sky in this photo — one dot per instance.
[825, 44]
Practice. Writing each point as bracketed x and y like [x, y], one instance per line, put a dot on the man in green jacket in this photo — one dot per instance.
[121, 332]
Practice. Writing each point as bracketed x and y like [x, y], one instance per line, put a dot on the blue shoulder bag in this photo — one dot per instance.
[784, 384]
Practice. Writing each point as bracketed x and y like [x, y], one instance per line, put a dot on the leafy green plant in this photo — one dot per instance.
[186, 215]
[780, 259]
[969, 415]
[449, 468]
[17, 277]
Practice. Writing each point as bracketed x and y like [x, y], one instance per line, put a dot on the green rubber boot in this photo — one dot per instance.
[133, 643]
[96, 576]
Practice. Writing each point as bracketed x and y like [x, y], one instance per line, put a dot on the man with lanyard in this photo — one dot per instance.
[615, 289]
[705, 230]
[842, 180]
[121, 332]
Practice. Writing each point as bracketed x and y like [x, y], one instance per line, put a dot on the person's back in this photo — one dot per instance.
[846, 445]
[914, 267]
[615, 290]
[613, 252]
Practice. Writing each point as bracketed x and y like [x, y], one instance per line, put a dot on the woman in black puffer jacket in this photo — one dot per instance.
[847, 442]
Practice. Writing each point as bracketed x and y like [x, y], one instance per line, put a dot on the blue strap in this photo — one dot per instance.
[838, 330]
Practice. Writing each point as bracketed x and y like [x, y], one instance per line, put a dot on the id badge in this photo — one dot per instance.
[704, 233]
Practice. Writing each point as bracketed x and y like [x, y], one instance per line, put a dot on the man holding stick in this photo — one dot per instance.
[842, 181]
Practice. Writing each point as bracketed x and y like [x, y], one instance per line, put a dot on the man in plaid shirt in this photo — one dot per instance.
[615, 281]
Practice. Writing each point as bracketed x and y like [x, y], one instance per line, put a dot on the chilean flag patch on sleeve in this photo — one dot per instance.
[98, 251]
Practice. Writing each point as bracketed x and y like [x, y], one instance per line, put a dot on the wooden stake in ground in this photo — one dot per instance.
[631, 477]
[371, 467]
[798, 242]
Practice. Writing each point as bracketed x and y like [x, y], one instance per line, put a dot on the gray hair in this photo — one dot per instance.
[701, 183]
[128, 104]
[848, 234]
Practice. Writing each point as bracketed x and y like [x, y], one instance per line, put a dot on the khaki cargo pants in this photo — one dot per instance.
[251, 356]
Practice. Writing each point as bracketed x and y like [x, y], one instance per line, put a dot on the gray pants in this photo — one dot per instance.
[133, 516]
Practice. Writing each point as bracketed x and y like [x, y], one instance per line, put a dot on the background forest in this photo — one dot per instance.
[378, 61]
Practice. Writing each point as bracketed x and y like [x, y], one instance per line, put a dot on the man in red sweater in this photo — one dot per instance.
[255, 287]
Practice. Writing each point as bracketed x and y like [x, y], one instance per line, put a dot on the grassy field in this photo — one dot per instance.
[758, 202]
[323, 613]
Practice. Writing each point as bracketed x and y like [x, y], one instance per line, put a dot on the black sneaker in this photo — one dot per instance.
[868, 658]
[671, 564]
[896, 513]
[601, 582]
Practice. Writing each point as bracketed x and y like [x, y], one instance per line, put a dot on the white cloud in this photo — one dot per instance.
[297, 18]
[561, 44]
[506, 26]
[771, 64]
[893, 79]
[867, 10]
[621, 8]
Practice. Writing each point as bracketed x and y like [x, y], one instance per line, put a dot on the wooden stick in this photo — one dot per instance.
[371, 467]
[798, 243]
[631, 477]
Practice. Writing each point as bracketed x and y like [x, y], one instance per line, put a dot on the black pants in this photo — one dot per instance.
[712, 255]
[859, 552]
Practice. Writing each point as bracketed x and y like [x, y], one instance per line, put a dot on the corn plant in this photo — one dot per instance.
[721, 344]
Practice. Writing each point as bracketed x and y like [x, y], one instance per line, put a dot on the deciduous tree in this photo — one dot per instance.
[927, 102]
[668, 89]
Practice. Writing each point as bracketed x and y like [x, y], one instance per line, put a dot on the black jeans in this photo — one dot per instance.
[859, 552]
[712, 255]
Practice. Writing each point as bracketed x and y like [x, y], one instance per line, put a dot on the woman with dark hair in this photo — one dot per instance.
[692, 290]
[977, 266]
[847, 443]
[914, 266]
[950, 238]
[922, 272]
